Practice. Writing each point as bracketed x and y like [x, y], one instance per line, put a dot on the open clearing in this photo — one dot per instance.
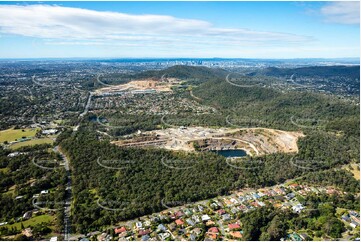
[4, 170]
[355, 170]
[163, 85]
[10, 191]
[32, 143]
[255, 141]
[32, 221]
[10, 135]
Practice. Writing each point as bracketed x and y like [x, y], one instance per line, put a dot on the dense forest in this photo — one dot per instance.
[321, 71]
[130, 182]
[276, 108]
[337, 178]
[141, 179]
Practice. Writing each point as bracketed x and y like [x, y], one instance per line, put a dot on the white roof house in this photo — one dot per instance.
[298, 208]
[205, 217]
[49, 131]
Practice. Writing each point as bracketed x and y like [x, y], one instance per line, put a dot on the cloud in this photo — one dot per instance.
[342, 12]
[83, 26]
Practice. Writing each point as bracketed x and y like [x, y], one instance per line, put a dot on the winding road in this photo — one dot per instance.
[197, 98]
[297, 84]
[237, 85]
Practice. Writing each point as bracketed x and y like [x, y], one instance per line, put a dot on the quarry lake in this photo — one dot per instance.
[231, 153]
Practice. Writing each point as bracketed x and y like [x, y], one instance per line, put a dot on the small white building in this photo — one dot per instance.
[353, 224]
[14, 154]
[298, 208]
[163, 236]
[49, 131]
[205, 217]
[262, 204]
[27, 215]
[139, 225]
[234, 201]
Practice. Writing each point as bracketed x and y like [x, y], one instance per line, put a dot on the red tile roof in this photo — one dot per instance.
[213, 230]
[120, 230]
[178, 214]
[144, 232]
[234, 226]
[236, 234]
[213, 236]
[179, 222]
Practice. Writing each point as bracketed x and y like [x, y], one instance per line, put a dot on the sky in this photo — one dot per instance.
[179, 29]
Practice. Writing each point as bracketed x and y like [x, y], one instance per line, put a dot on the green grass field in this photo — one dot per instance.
[32, 221]
[58, 121]
[355, 171]
[10, 191]
[4, 170]
[13, 134]
[31, 143]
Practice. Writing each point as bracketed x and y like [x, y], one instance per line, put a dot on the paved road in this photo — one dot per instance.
[221, 228]
[192, 95]
[293, 81]
[162, 78]
[68, 196]
[237, 85]
[98, 80]
[86, 109]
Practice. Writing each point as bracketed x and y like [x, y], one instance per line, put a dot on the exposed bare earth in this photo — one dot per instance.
[163, 85]
[255, 141]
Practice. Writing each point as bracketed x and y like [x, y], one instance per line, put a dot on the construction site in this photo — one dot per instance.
[254, 141]
[150, 85]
